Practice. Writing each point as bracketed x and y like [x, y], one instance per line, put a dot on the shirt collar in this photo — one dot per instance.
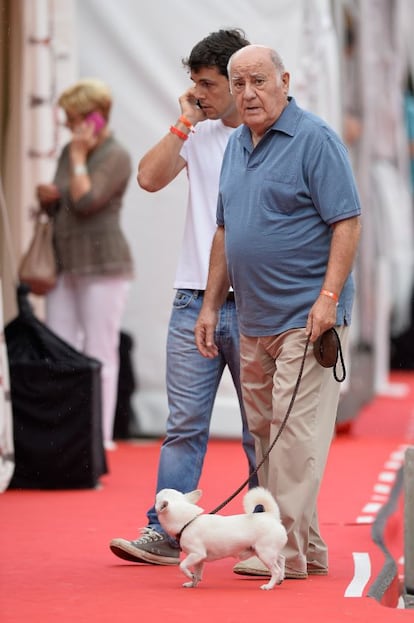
[289, 119]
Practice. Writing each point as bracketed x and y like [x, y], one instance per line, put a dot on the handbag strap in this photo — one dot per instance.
[7, 234]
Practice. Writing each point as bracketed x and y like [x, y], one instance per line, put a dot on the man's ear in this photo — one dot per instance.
[286, 81]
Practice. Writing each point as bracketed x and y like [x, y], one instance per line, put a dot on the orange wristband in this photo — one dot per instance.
[178, 133]
[187, 123]
[331, 295]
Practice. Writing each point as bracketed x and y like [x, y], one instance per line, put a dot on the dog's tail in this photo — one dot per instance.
[260, 496]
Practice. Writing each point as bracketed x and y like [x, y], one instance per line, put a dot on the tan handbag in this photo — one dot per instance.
[38, 266]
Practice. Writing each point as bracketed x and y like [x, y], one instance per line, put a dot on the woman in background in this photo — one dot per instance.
[94, 261]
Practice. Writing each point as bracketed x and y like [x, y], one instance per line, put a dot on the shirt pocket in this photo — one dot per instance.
[278, 193]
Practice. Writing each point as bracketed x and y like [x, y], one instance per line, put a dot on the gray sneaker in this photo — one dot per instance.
[152, 547]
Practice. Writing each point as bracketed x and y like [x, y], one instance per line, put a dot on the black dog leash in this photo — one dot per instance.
[327, 350]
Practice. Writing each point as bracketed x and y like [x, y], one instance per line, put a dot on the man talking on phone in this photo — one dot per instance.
[195, 143]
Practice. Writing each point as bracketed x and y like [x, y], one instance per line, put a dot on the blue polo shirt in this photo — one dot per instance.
[277, 202]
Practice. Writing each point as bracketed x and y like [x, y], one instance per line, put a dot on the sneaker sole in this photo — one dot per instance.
[144, 557]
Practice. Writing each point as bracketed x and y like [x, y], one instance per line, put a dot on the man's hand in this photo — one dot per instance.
[189, 107]
[322, 317]
[204, 333]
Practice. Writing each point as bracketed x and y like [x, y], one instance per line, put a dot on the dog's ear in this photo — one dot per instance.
[194, 496]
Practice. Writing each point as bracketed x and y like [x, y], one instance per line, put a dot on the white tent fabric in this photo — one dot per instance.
[388, 229]
[394, 233]
[138, 49]
[319, 56]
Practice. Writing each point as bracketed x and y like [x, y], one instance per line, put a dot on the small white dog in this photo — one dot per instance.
[212, 537]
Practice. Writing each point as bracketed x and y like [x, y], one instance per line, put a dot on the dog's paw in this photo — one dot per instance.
[267, 587]
[190, 584]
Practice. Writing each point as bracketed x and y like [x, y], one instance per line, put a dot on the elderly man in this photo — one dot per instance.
[288, 230]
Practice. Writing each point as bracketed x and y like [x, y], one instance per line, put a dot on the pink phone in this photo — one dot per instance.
[97, 120]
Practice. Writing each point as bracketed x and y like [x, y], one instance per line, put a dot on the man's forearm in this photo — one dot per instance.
[342, 255]
[214, 296]
[161, 164]
[218, 280]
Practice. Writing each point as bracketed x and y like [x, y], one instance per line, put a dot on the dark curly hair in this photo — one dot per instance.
[215, 50]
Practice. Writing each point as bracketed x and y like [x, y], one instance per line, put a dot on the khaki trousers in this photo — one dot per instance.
[295, 466]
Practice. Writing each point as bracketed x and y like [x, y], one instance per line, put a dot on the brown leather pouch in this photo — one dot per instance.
[327, 349]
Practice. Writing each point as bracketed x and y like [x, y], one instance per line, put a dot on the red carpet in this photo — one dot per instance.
[56, 565]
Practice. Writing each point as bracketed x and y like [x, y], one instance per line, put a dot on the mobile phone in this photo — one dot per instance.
[97, 120]
[198, 104]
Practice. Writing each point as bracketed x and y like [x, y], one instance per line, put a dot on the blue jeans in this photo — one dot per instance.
[192, 383]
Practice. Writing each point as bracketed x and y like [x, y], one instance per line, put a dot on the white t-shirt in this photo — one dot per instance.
[203, 152]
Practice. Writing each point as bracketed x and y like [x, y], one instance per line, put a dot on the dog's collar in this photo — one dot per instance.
[179, 535]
